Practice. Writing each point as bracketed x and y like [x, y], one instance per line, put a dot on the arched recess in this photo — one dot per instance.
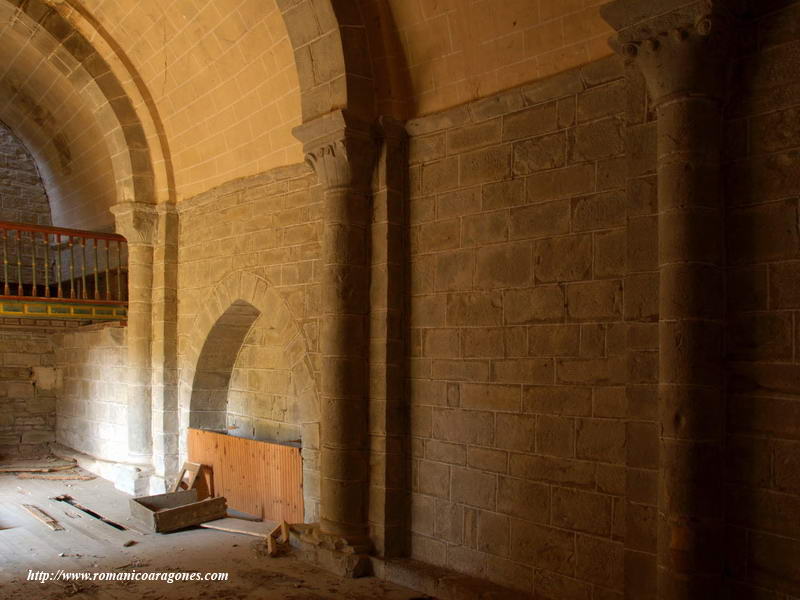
[64, 100]
[239, 305]
[209, 402]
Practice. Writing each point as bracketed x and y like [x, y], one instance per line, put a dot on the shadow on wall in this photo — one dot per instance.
[209, 402]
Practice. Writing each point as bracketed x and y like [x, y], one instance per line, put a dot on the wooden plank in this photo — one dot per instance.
[42, 516]
[258, 529]
[188, 467]
[33, 467]
[57, 476]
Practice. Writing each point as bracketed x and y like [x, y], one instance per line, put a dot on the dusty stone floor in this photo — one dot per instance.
[89, 545]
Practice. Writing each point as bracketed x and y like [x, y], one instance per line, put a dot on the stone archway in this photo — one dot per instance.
[244, 303]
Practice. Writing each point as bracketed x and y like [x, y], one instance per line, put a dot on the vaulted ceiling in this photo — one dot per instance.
[158, 100]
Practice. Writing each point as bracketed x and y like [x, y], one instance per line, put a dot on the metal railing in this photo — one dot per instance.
[56, 264]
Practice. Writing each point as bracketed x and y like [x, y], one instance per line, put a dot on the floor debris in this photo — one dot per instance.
[37, 466]
[61, 476]
[70, 500]
[42, 516]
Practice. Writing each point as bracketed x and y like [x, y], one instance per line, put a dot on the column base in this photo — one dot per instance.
[341, 556]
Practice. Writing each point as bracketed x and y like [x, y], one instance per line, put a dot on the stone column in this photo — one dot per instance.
[683, 54]
[137, 222]
[164, 347]
[342, 152]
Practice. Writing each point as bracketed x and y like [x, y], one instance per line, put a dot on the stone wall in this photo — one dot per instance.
[91, 409]
[763, 245]
[518, 341]
[22, 195]
[28, 388]
[255, 243]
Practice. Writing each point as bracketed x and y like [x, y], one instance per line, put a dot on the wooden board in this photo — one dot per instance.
[257, 478]
[42, 516]
[258, 529]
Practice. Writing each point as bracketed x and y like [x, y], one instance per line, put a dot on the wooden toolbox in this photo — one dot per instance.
[176, 510]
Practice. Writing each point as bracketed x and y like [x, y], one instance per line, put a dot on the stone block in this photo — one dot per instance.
[440, 176]
[493, 533]
[485, 228]
[530, 122]
[543, 547]
[482, 166]
[474, 488]
[570, 181]
[474, 309]
[552, 586]
[602, 440]
[454, 454]
[504, 266]
[591, 371]
[566, 258]
[439, 235]
[542, 304]
[483, 342]
[540, 220]
[461, 370]
[599, 102]
[594, 300]
[486, 459]
[554, 340]
[555, 436]
[610, 253]
[454, 270]
[503, 194]
[426, 148]
[641, 297]
[612, 173]
[599, 211]
[458, 203]
[491, 397]
[523, 370]
[449, 522]
[463, 426]
[523, 499]
[582, 511]
[469, 137]
[558, 400]
[515, 432]
[433, 478]
[422, 515]
[610, 402]
[596, 140]
[553, 470]
[600, 561]
[566, 112]
[540, 154]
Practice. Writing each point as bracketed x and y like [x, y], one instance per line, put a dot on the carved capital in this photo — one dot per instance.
[341, 150]
[685, 50]
[137, 221]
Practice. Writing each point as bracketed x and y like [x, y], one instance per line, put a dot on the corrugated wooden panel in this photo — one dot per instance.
[258, 478]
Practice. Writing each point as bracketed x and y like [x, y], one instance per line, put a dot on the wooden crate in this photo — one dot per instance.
[176, 510]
